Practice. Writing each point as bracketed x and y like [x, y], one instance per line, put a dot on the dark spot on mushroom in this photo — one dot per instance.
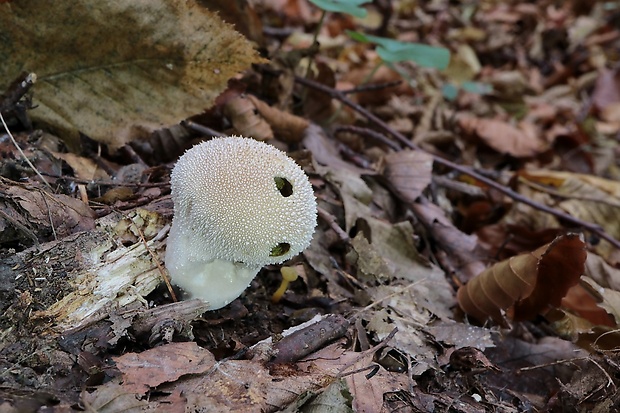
[280, 249]
[284, 186]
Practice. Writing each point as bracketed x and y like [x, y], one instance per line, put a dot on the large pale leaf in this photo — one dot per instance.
[117, 69]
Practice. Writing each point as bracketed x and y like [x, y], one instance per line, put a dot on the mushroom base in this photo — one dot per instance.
[217, 282]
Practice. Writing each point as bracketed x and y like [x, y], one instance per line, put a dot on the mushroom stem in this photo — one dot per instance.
[289, 274]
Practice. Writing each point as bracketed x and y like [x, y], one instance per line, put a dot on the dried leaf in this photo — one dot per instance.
[607, 299]
[527, 284]
[120, 69]
[583, 300]
[243, 15]
[369, 394]
[607, 89]
[521, 142]
[113, 398]
[461, 252]
[586, 197]
[286, 126]
[410, 172]
[83, 168]
[241, 111]
[355, 193]
[390, 253]
[27, 215]
[162, 364]
[336, 398]
[461, 335]
[512, 354]
[325, 152]
[604, 274]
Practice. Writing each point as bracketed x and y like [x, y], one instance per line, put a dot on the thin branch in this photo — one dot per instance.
[200, 128]
[16, 91]
[371, 87]
[331, 221]
[368, 132]
[6, 128]
[402, 139]
[108, 183]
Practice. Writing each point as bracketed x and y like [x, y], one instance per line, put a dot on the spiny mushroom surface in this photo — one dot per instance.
[239, 204]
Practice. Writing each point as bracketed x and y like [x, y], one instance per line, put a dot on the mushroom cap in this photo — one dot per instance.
[241, 200]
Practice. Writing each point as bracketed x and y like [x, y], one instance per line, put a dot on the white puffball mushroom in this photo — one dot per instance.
[239, 204]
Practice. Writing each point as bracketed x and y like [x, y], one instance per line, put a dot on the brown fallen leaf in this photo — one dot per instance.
[523, 364]
[607, 89]
[286, 126]
[461, 335]
[325, 152]
[587, 197]
[243, 15]
[162, 364]
[527, 284]
[119, 69]
[409, 172]
[83, 168]
[111, 399]
[460, 252]
[589, 302]
[520, 141]
[29, 215]
[241, 111]
[369, 393]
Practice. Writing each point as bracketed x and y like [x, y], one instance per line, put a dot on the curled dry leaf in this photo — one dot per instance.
[285, 125]
[527, 284]
[588, 301]
[28, 215]
[113, 398]
[593, 321]
[242, 114]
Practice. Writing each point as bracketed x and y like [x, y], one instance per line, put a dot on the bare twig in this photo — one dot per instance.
[368, 132]
[307, 340]
[363, 354]
[331, 221]
[200, 128]
[16, 91]
[402, 139]
[108, 183]
[371, 87]
[6, 128]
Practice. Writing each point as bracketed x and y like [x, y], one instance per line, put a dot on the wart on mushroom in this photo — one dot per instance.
[239, 204]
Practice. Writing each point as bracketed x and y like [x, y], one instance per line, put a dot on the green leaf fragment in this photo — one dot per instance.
[477, 87]
[351, 7]
[393, 51]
